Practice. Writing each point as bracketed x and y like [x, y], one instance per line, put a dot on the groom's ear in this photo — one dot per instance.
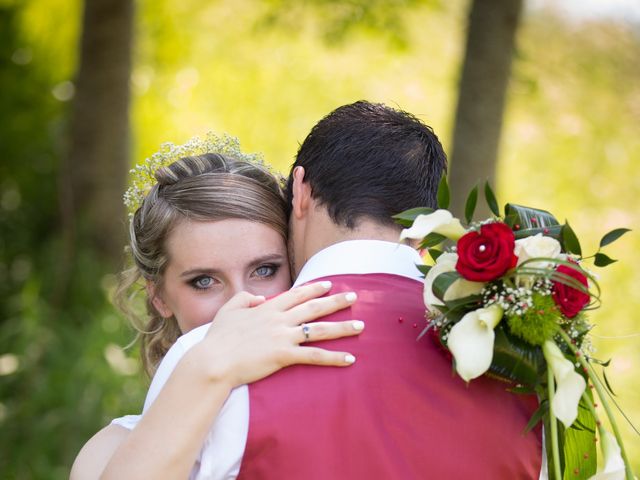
[157, 302]
[301, 198]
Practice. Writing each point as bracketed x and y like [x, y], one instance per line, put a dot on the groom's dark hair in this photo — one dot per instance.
[370, 160]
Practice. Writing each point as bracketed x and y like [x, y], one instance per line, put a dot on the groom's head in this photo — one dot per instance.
[360, 165]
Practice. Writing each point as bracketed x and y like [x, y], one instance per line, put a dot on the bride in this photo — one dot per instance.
[209, 241]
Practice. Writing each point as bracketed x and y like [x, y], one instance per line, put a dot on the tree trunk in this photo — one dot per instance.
[483, 87]
[98, 158]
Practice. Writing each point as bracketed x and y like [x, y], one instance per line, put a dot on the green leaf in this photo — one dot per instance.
[522, 390]
[424, 269]
[443, 193]
[435, 253]
[600, 362]
[407, 217]
[606, 382]
[491, 199]
[612, 236]
[603, 260]
[462, 304]
[432, 240]
[540, 412]
[570, 240]
[470, 204]
[580, 447]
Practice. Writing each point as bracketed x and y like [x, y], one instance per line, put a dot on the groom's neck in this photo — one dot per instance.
[321, 232]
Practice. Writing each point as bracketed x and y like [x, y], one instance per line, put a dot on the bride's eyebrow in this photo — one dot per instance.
[273, 257]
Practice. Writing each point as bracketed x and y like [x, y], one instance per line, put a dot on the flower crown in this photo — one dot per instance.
[143, 174]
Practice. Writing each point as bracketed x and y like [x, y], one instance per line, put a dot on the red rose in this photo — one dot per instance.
[570, 300]
[488, 254]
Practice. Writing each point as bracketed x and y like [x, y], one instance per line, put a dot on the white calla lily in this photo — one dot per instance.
[537, 246]
[569, 384]
[471, 341]
[613, 468]
[441, 221]
[459, 289]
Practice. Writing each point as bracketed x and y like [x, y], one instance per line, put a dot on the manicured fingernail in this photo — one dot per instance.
[351, 297]
[358, 325]
[326, 284]
[349, 359]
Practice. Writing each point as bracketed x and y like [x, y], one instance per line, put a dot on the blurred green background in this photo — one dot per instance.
[266, 71]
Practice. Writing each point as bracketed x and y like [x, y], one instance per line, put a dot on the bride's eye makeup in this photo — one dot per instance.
[266, 271]
[202, 282]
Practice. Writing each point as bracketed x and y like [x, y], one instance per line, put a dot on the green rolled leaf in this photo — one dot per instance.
[612, 236]
[470, 204]
[514, 360]
[491, 199]
[443, 195]
[529, 219]
[603, 260]
[442, 282]
[554, 231]
[407, 217]
[570, 240]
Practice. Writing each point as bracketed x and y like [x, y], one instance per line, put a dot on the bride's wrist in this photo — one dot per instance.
[210, 368]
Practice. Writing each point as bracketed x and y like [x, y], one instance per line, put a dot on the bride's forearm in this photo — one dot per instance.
[166, 442]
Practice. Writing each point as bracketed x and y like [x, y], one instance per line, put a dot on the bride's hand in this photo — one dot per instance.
[251, 338]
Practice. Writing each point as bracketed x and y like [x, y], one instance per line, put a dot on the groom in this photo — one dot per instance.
[399, 412]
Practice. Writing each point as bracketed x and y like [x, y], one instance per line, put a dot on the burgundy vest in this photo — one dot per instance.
[398, 413]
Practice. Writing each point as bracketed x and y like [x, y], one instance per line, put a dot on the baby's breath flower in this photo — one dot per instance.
[143, 174]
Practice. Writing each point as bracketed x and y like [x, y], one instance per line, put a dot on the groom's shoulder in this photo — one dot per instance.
[374, 288]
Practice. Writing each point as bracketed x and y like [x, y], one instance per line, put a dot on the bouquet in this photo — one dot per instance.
[509, 299]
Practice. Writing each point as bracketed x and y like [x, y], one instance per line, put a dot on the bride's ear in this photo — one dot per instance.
[301, 193]
[156, 300]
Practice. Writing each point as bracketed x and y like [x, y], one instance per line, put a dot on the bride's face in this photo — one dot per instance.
[209, 262]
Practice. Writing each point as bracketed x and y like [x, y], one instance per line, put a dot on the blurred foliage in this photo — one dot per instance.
[266, 72]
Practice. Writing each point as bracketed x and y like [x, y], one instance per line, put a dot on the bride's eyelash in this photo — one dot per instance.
[194, 282]
[273, 266]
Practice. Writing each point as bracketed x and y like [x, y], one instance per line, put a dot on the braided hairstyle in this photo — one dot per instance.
[208, 187]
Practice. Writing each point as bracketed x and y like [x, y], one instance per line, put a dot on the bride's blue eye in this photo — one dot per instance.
[265, 271]
[202, 282]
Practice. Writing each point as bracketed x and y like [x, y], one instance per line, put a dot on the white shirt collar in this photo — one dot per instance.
[361, 257]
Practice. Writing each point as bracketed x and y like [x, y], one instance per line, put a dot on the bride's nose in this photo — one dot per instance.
[235, 286]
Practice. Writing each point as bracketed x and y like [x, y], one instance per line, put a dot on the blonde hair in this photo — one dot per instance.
[208, 187]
